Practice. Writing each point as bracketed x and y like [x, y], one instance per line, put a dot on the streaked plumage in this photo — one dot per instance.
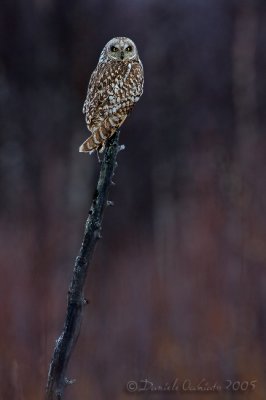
[115, 86]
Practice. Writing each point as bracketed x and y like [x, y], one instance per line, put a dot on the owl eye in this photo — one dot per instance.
[114, 49]
[129, 48]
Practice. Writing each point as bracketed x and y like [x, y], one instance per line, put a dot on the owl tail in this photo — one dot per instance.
[98, 139]
[88, 146]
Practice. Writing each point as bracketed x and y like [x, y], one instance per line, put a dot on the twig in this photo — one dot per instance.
[57, 379]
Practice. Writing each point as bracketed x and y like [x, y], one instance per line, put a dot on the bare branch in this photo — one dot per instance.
[65, 343]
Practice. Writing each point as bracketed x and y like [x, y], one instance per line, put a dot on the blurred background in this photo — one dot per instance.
[177, 286]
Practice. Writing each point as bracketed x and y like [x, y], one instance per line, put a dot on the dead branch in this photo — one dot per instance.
[57, 379]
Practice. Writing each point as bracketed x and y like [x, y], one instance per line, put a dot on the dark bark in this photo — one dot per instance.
[65, 343]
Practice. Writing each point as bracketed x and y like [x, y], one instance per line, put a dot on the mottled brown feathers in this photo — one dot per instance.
[115, 86]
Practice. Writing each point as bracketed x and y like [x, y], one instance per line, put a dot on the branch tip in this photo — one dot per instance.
[121, 147]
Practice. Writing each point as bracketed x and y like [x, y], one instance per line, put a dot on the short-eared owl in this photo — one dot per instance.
[115, 86]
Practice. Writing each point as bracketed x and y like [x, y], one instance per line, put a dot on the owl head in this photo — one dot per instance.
[119, 49]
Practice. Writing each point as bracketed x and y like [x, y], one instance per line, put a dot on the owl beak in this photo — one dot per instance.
[122, 55]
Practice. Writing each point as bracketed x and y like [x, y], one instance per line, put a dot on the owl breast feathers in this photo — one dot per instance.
[115, 86]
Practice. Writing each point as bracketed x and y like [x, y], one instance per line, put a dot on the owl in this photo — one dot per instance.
[114, 88]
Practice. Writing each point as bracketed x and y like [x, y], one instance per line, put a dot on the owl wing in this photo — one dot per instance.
[111, 81]
[99, 89]
[138, 74]
[134, 85]
[113, 90]
[91, 90]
